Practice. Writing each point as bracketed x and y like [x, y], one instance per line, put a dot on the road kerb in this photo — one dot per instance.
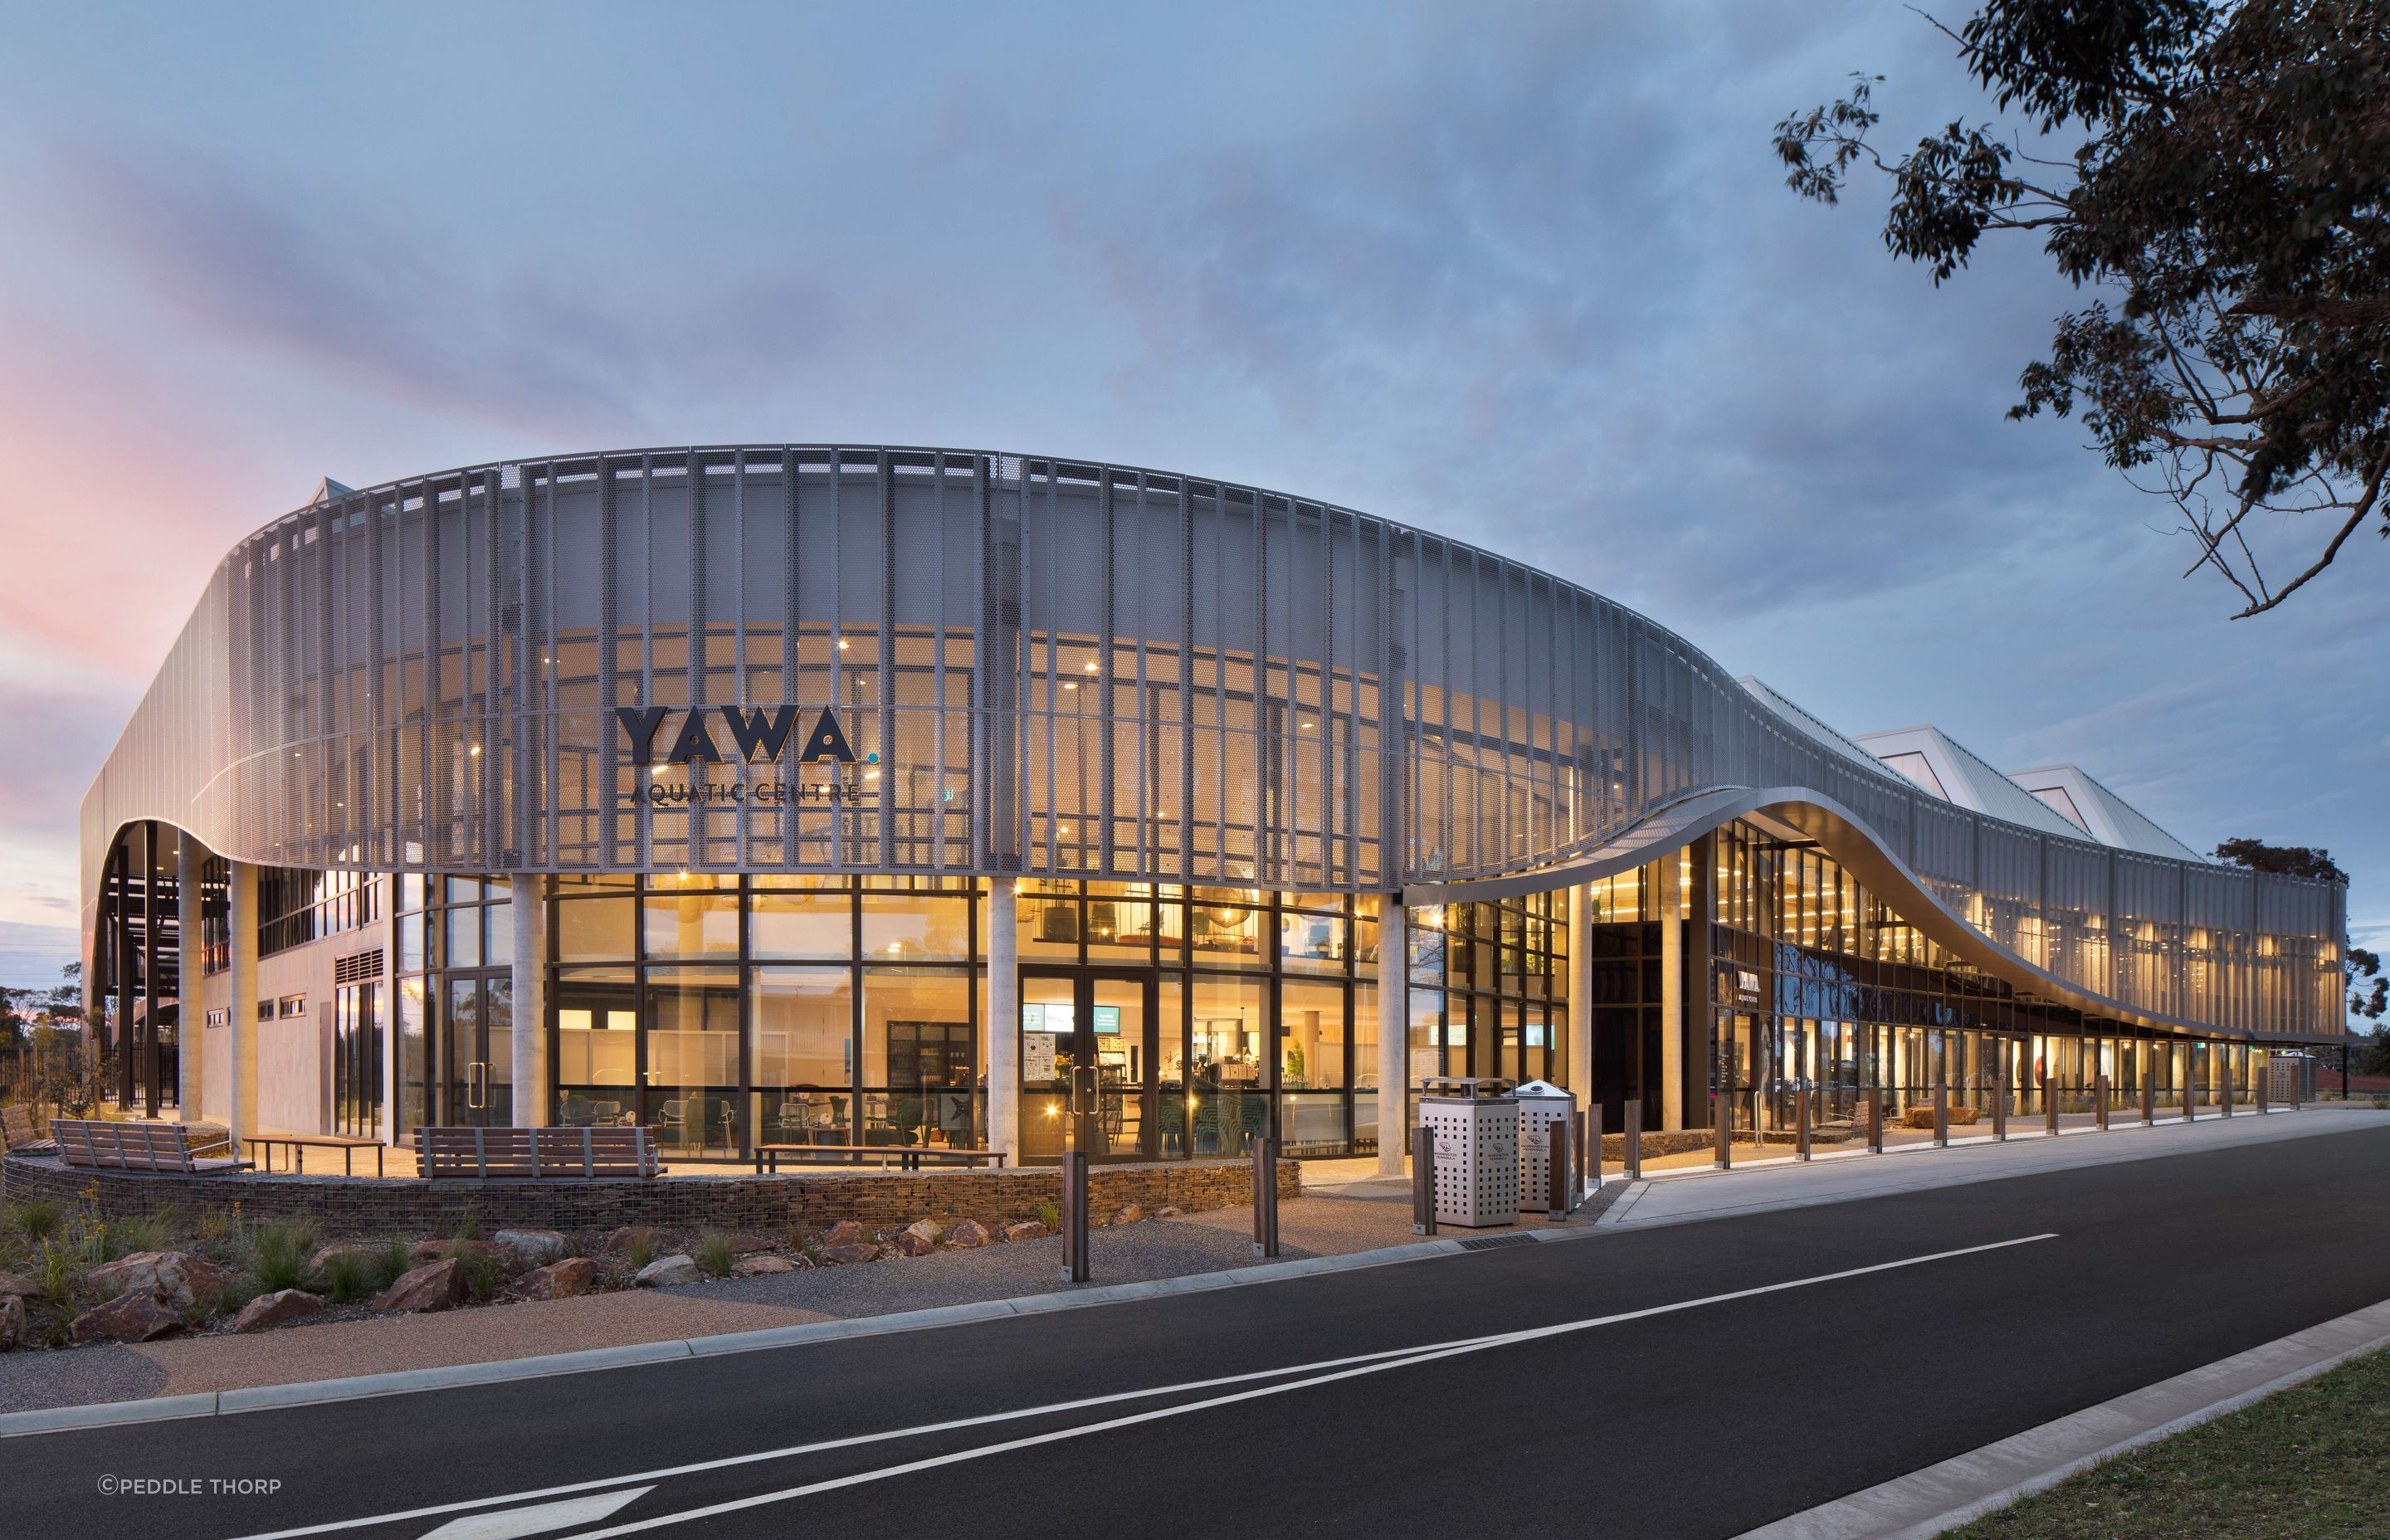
[1957, 1491]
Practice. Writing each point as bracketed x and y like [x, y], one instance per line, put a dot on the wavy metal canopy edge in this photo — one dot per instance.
[1845, 836]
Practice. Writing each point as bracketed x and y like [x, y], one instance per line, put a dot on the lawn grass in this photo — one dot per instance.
[2313, 1460]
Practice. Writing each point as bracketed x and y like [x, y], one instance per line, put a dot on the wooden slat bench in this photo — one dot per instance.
[769, 1157]
[18, 1131]
[134, 1146]
[541, 1154]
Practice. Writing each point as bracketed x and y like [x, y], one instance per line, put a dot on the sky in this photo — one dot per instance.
[1526, 274]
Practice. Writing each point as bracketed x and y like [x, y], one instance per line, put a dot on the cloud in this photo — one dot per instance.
[1553, 292]
[435, 313]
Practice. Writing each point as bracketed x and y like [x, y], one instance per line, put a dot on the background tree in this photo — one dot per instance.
[2367, 1003]
[2223, 173]
[2309, 861]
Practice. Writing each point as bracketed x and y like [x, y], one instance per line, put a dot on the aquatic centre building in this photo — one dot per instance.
[858, 795]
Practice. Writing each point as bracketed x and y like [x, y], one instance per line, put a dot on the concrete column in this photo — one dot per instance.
[1004, 1018]
[190, 1013]
[528, 896]
[1580, 995]
[1672, 992]
[241, 1036]
[1393, 1035]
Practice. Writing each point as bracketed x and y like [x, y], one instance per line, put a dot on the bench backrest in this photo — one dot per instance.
[16, 1126]
[537, 1152]
[123, 1146]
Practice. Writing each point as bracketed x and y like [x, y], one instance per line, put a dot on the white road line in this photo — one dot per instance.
[729, 1461]
[1425, 1355]
[513, 1524]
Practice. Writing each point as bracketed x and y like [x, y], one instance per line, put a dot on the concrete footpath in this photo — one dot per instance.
[1351, 1215]
[1753, 1186]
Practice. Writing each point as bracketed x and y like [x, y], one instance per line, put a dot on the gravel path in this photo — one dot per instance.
[36, 1381]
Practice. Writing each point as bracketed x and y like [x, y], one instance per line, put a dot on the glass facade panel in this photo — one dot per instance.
[804, 1055]
[688, 922]
[1230, 1034]
[464, 939]
[802, 925]
[691, 1056]
[916, 927]
[595, 929]
[596, 1046]
[921, 1058]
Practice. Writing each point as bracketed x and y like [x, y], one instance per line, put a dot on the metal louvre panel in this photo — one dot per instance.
[1067, 669]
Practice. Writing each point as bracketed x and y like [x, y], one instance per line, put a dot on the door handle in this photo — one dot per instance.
[476, 1086]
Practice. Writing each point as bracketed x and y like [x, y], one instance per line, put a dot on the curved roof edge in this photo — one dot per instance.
[1847, 837]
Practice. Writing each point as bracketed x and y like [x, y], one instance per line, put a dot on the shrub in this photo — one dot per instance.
[153, 1231]
[391, 1259]
[243, 1288]
[465, 1227]
[484, 1274]
[641, 1248]
[217, 1227]
[350, 1274]
[715, 1254]
[57, 1267]
[36, 1221]
[1049, 1216]
[280, 1253]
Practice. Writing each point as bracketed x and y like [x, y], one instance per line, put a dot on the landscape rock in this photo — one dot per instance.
[531, 1247]
[16, 1286]
[1025, 1229]
[919, 1238]
[748, 1242]
[761, 1264]
[861, 1250]
[436, 1251]
[621, 1239]
[175, 1277]
[1128, 1214]
[133, 1316]
[12, 1321]
[559, 1280]
[969, 1233]
[669, 1272]
[1168, 1211]
[324, 1254]
[846, 1232]
[283, 1305]
[434, 1286]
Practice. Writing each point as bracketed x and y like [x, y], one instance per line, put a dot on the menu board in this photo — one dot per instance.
[1036, 1056]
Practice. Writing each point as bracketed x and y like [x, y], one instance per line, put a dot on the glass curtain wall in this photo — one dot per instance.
[1490, 989]
[727, 1012]
[1818, 980]
[1264, 1019]
[454, 995]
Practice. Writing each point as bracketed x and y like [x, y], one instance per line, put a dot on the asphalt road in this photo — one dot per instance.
[1366, 1401]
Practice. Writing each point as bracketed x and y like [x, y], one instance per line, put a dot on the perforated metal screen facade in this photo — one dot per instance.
[1062, 669]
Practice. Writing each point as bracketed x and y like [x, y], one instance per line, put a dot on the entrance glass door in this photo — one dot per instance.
[477, 1036]
[1102, 1019]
